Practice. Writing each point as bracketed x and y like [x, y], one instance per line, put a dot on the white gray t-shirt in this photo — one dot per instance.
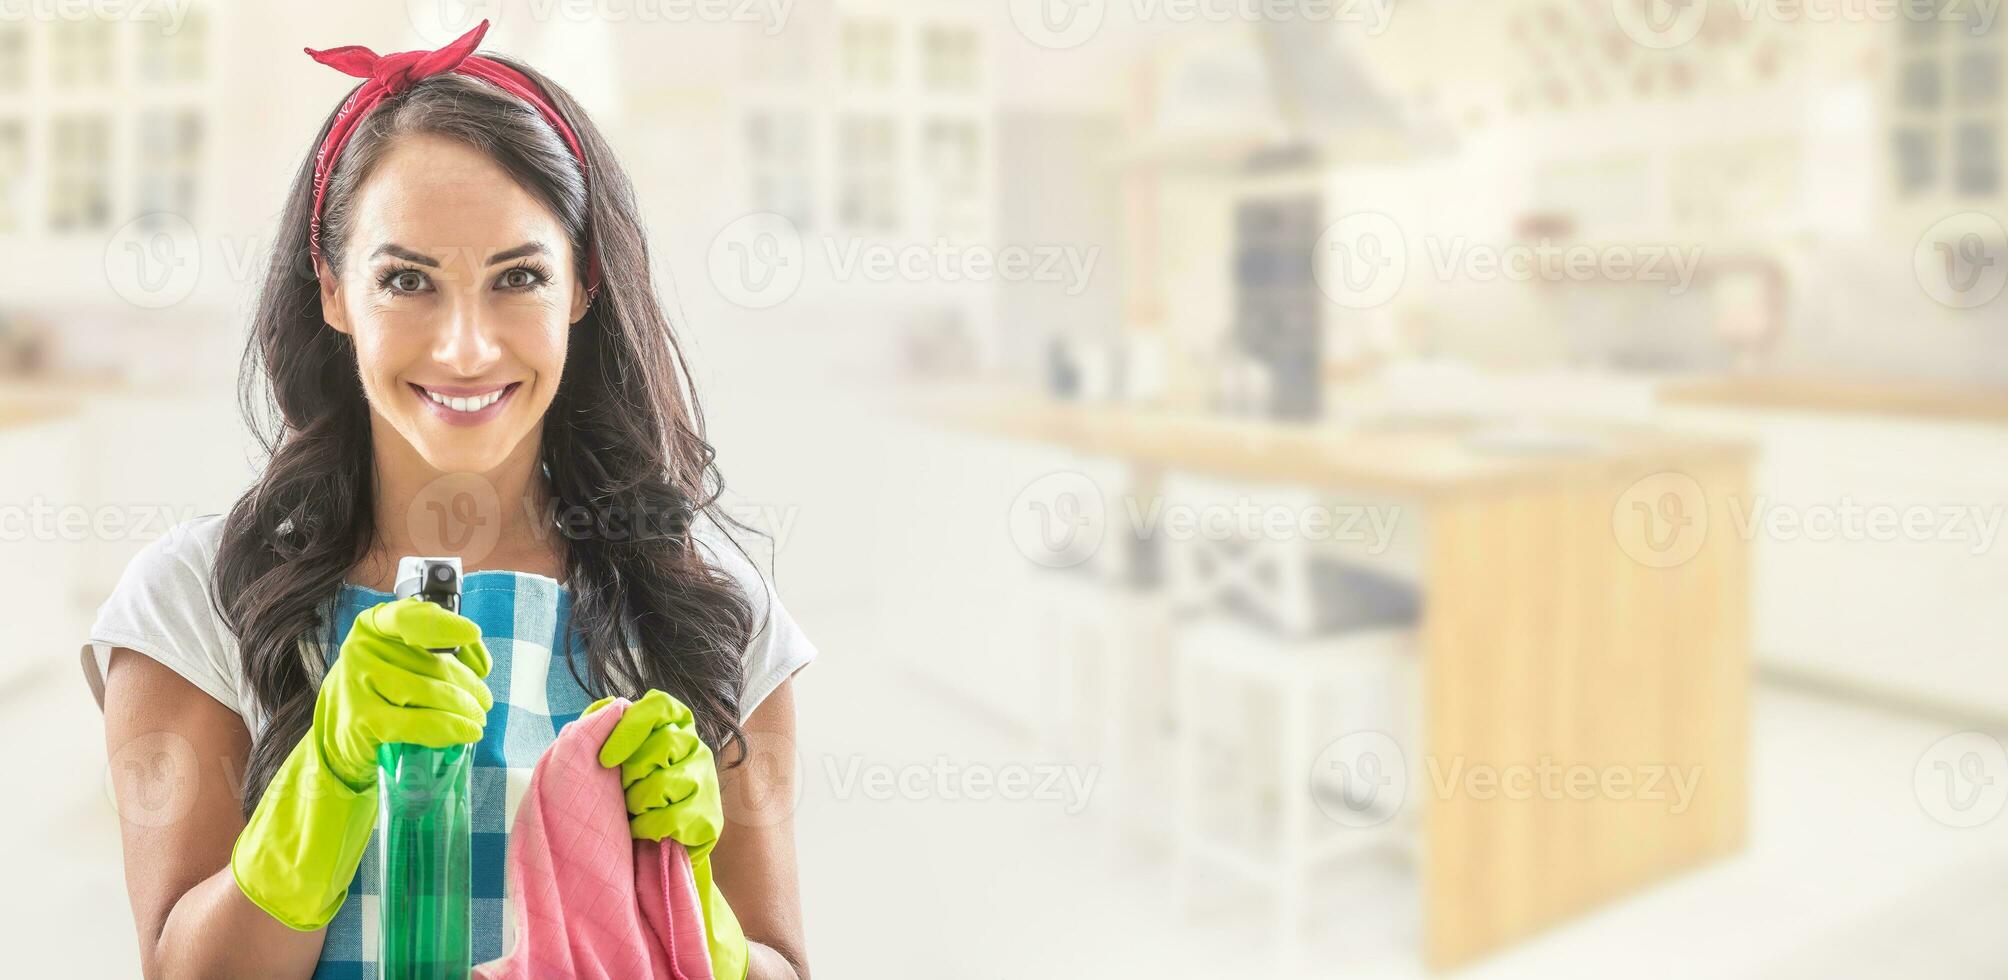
[161, 608]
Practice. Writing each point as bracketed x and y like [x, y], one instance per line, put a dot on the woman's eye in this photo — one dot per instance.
[519, 278]
[407, 281]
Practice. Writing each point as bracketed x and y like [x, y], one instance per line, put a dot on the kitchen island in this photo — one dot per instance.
[1585, 605]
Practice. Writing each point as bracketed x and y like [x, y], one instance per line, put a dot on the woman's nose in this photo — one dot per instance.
[467, 345]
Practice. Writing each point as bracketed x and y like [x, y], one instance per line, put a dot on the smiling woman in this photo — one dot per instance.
[460, 299]
[447, 333]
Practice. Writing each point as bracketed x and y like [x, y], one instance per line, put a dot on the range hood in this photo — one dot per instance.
[1281, 97]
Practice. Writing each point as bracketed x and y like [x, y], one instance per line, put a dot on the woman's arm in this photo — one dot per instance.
[754, 861]
[177, 760]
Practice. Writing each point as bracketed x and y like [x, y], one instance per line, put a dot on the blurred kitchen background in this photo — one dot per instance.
[1368, 488]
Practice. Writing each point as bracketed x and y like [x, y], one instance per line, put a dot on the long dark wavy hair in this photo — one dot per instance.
[624, 436]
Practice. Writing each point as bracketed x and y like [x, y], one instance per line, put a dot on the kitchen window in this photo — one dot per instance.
[868, 53]
[780, 162]
[868, 149]
[14, 54]
[174, 56]
[1945, 135]
[101, 121]
[951, 152]
[13, 173]
[13, 57]
[170, 151]
[948, 57]
[80, 194]
[80, 54]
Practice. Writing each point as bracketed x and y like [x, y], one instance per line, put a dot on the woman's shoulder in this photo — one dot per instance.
[162, 608]
[778, 647]
[172, 573]
[186, 553]
[727, 552]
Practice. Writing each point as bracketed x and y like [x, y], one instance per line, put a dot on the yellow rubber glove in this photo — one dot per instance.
[299, 851]
[671, 786]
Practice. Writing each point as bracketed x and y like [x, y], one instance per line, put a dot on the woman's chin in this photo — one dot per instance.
[464, 452]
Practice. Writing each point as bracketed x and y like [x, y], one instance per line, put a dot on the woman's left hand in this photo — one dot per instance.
[672, 792]
[670, 779]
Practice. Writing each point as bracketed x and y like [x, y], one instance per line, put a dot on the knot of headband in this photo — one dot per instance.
[387, 75]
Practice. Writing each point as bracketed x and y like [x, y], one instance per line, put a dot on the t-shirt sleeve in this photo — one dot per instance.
[161, 609]
[779, 648]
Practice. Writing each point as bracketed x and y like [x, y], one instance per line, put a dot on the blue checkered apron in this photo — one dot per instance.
[525, 621]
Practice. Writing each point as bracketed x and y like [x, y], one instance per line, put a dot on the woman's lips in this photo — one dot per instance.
[452, 415]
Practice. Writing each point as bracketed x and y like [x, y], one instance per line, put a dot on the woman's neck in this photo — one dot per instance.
[491, 519]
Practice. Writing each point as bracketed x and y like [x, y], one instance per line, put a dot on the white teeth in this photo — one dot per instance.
[471, 404]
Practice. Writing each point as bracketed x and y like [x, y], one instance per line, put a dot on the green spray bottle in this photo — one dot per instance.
[426, 827]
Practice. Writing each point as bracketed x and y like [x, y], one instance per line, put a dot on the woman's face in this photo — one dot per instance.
[458, 289]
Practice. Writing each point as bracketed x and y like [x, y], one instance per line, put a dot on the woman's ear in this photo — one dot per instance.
[333, 307]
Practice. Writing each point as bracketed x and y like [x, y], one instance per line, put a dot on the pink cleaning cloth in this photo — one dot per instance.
[591, 901]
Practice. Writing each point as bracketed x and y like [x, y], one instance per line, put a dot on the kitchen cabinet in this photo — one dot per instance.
[1879, 538]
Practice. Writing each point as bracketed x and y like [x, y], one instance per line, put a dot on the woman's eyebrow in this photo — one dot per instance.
[527, 248]
[399, 251]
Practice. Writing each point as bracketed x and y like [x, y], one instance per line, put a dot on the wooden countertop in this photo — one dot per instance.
[1900, 399]
[30, 400]
[17, 416]
[1422, 459]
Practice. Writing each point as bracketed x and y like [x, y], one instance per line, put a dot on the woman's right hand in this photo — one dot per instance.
[388, 686]
[300, 848]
